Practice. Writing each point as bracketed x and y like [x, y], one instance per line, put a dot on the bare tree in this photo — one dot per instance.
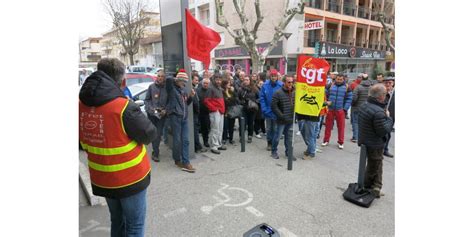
[384, 8]
[246, 37]
[129, 22]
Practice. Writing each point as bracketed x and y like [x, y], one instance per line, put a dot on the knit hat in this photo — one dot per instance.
[273, 72]
[389, 79]
[182, 76]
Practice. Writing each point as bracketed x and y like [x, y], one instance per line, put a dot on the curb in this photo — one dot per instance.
[85, 182]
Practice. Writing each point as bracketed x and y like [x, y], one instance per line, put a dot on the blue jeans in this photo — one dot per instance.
[128, 215]
[180, 138]
[271, 126]
[287, 130]
[159, 124]
[355, 124]
[309, 133]
[300, 125]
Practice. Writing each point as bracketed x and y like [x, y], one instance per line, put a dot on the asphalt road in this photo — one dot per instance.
[232, 192]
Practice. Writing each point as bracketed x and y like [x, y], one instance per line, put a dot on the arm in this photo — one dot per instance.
[149, 107]
[355, 96]
[276, 110]
[382, 124]
[263, 103]
[348, 100]
[137, 126]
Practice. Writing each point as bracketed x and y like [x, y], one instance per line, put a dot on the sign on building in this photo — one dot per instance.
[314, 25]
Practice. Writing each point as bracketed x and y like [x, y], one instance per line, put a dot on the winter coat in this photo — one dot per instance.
[391, 106]
[374, 125]
[230, 99]
[246, 94]
[156, 97]
[214, 99]
[340, 96]
[100, 89]
[178, 99]
[201, 94]
[360, 95]
[283, 105]
[266, 94]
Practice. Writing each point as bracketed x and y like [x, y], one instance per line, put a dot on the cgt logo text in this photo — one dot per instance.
[311, 73]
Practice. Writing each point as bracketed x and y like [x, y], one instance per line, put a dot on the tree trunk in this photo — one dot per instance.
[257, 63]
[130, 57]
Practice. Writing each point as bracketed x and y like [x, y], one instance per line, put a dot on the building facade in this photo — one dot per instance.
[346, 33]
[149, 49]
[89, 50]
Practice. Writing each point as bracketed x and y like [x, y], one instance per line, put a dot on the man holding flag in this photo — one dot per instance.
[312, 74]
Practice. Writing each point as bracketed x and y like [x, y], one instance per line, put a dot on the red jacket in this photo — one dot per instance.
[214, 99]
[354, 84]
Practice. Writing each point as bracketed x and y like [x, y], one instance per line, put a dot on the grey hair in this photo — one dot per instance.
[112, 67]
[206, 80]
[377, 91]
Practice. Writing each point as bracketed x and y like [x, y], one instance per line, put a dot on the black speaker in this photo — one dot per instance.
[262, 230]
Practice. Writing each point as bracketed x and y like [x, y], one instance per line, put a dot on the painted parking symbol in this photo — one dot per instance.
[227, 200]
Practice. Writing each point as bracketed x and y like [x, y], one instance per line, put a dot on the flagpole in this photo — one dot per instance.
[290, 155]
[187, 68]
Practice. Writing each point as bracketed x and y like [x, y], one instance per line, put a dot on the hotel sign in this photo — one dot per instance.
[314, 25]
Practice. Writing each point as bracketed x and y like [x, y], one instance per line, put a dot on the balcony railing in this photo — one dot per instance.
[349, 10]
[362, 12]
[315, 4]
[333, 7]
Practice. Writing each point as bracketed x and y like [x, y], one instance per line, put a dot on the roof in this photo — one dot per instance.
[151, 39]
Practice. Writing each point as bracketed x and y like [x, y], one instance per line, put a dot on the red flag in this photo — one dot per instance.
[200, 40]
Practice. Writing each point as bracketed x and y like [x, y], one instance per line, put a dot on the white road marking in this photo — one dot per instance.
[254, 211]
[104, 229]
[284, 232]
[208, 209]
[175, 212]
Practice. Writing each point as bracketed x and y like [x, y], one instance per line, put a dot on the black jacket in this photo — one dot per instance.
[374, 125]
[201, 94]
[246, 94]
[391, 106]
[156, 97]
[100, 89]
[283, 105]
[360, 94]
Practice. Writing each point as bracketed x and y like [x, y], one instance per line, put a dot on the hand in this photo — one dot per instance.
[387, 113]
[162, 112]
[232, 89]
[193, 92]
[328, 102]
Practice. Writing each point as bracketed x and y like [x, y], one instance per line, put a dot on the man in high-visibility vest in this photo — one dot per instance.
[113, 131]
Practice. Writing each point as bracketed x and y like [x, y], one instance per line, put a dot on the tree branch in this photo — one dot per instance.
[259, 19]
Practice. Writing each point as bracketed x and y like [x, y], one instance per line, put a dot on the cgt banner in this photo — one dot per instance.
[310, 85]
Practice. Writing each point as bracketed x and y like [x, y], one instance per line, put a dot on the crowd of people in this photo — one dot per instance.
[113, 130]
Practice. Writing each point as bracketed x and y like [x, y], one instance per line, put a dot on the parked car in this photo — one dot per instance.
[140, 69]
[134, 78]
[138, 92]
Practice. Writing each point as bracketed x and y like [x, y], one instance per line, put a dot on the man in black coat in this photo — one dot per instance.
[390, 100]
[283, 106]
[374, 125]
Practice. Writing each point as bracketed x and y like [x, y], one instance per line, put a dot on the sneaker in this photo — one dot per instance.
[188, 168]
[249, 140]
[269, 147]
[298, 133]
[202, 150]
[155, 158]
[222, 148]
[308, 157]
[340, 146]
[258, 136]
[388, 154]
[324, 143]
[376, 192]
[178, 163]
[215, 151]
[275, 156]
[319, 150]
[353, 140]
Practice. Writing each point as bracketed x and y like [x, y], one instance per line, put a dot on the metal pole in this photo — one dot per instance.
[290, 149]
[242, 131]
[187, 67]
